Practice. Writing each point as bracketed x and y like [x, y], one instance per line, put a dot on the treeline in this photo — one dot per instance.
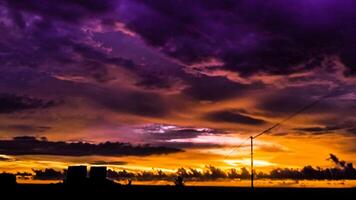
[209, 173]
[341, 170]
[214, 173]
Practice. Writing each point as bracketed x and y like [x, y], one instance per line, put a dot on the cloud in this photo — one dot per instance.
[181, 137]
[318, 130]
[119, 62]
[10, 103]
[245, 43]
[21, 128]
[100, 162]
[68, 10]
[231, 116]
[133, 102]
[352, 130]
[340, 126]
[161, 133]
[186, 144]
[207, 88]
[4, 158]
[288, 100]
[272, 148]
[27, 145]
[152, 81]
[49, 36]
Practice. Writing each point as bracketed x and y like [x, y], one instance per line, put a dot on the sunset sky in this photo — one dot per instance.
[196, 77]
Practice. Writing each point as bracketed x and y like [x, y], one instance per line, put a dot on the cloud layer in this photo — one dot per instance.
[31, 146]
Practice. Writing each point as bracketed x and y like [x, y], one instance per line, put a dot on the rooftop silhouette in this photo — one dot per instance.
[76, 175]
[98, 175]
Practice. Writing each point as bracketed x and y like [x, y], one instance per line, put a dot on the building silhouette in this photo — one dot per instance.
[98, 175]
[76, 175]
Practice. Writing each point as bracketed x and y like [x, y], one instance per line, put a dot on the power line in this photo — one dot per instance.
[279, 123]
[235, 148]
[293, 115]
[251, 138]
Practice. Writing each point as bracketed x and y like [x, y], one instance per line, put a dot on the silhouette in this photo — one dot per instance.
[129, 182]
[98, 175]
[78, 183]
[179, 181]
[47, 174]
[76, 175]
[7, 180]
[341, 170]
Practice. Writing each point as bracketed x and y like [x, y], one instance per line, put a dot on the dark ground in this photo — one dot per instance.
[60, 191]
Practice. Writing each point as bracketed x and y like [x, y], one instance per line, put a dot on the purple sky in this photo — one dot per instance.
[176, 72]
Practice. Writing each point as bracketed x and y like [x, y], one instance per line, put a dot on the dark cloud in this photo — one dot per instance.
[164, 133]
[134, 102]
[27, 145]
[283, 38]
[10, 103]
[54, 38]
[114, 99]
[95, 61]
[24, 128]
[232, 116]
[352, 130]
[190, 145]
[65, 49]
[318, 129]
[216, 88]
[100, 162]
[332, 126]
[176, 134]
[291, 99]
[152, 81]
[68, 10]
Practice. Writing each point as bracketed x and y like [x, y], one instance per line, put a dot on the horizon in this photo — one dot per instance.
[139, 85]
[343, 174]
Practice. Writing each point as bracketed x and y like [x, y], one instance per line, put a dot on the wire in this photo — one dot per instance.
[293, 115]
[281, 122]
[235, 148]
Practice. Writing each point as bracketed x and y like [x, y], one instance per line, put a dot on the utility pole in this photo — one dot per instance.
[303, 109]
[252, 188]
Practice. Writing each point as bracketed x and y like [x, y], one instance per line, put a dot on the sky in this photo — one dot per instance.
[142, 84]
